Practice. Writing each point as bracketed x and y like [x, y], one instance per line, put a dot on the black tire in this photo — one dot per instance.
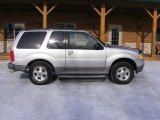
[117, 74]
[43, 77]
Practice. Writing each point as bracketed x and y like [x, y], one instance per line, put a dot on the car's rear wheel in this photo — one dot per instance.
[40, 73]
[121, 73]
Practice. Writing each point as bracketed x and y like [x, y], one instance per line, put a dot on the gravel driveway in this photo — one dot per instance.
[82, 100]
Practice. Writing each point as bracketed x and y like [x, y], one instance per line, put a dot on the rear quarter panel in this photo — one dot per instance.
[25, 56]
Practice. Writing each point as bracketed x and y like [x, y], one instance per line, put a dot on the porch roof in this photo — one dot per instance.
[147, 0]
[17, 4]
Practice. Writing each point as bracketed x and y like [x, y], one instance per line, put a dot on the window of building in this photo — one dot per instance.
[81, 41]
[31, 40]
[115, 36]
[65, 26]
[57, 40]
[12, 29]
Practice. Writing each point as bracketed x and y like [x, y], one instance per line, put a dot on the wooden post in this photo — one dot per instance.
[103, 13]
[138, 42]
[45, 12]
[102, 26]
[154, 29]
[154, 17]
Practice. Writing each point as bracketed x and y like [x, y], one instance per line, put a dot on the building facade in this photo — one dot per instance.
[132, 23]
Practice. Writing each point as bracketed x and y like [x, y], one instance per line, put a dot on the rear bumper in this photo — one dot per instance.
[11, 66]
[14, 67]
[140, 65]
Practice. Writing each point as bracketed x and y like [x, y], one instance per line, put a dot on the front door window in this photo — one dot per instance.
[81, 41]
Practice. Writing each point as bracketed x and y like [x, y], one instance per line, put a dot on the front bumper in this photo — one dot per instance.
[140, 65]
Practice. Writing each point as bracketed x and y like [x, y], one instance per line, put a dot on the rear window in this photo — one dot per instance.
[31, 40]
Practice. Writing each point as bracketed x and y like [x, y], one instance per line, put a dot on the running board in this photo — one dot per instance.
[82, 76]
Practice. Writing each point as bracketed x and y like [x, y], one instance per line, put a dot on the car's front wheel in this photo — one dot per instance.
[40, 73]
[121, 73]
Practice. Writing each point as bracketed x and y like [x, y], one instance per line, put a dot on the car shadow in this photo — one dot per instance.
[24, 76]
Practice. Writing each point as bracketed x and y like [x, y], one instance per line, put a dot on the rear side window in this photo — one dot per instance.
[56, 40]
[31, 40]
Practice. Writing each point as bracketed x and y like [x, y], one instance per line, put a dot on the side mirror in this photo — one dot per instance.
[98, 46]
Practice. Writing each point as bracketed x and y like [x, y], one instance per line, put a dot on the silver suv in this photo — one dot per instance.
[45, 54]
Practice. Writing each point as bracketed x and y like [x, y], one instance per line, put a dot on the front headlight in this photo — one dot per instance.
[140, 56]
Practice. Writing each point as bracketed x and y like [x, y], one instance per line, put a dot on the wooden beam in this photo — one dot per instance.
[51, 9]
[103, 21]
[103, 15]
[142, 36]
[44, 14]
[154, 29]
[110, 10]
[150, 14]
[154, 17]
[138, 42]
[37, 7]
[158, 16]
[97, 11]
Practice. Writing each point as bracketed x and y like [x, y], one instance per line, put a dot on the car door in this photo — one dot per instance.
[81, 55]
[56, 48]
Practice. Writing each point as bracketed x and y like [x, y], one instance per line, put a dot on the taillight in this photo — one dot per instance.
[12, 56]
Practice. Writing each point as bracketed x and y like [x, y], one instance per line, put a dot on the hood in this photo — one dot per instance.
[124, 48]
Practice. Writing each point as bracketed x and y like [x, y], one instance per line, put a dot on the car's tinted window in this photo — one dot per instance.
[56, 40]
[31, 40]
[80, 40]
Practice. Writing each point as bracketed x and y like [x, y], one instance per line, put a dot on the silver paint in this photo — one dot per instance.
[75, 61]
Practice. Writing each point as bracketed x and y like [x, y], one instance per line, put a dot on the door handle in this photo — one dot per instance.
[70, 52]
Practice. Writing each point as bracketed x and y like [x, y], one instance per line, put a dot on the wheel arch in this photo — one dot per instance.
[128, 60]
[40, 60]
